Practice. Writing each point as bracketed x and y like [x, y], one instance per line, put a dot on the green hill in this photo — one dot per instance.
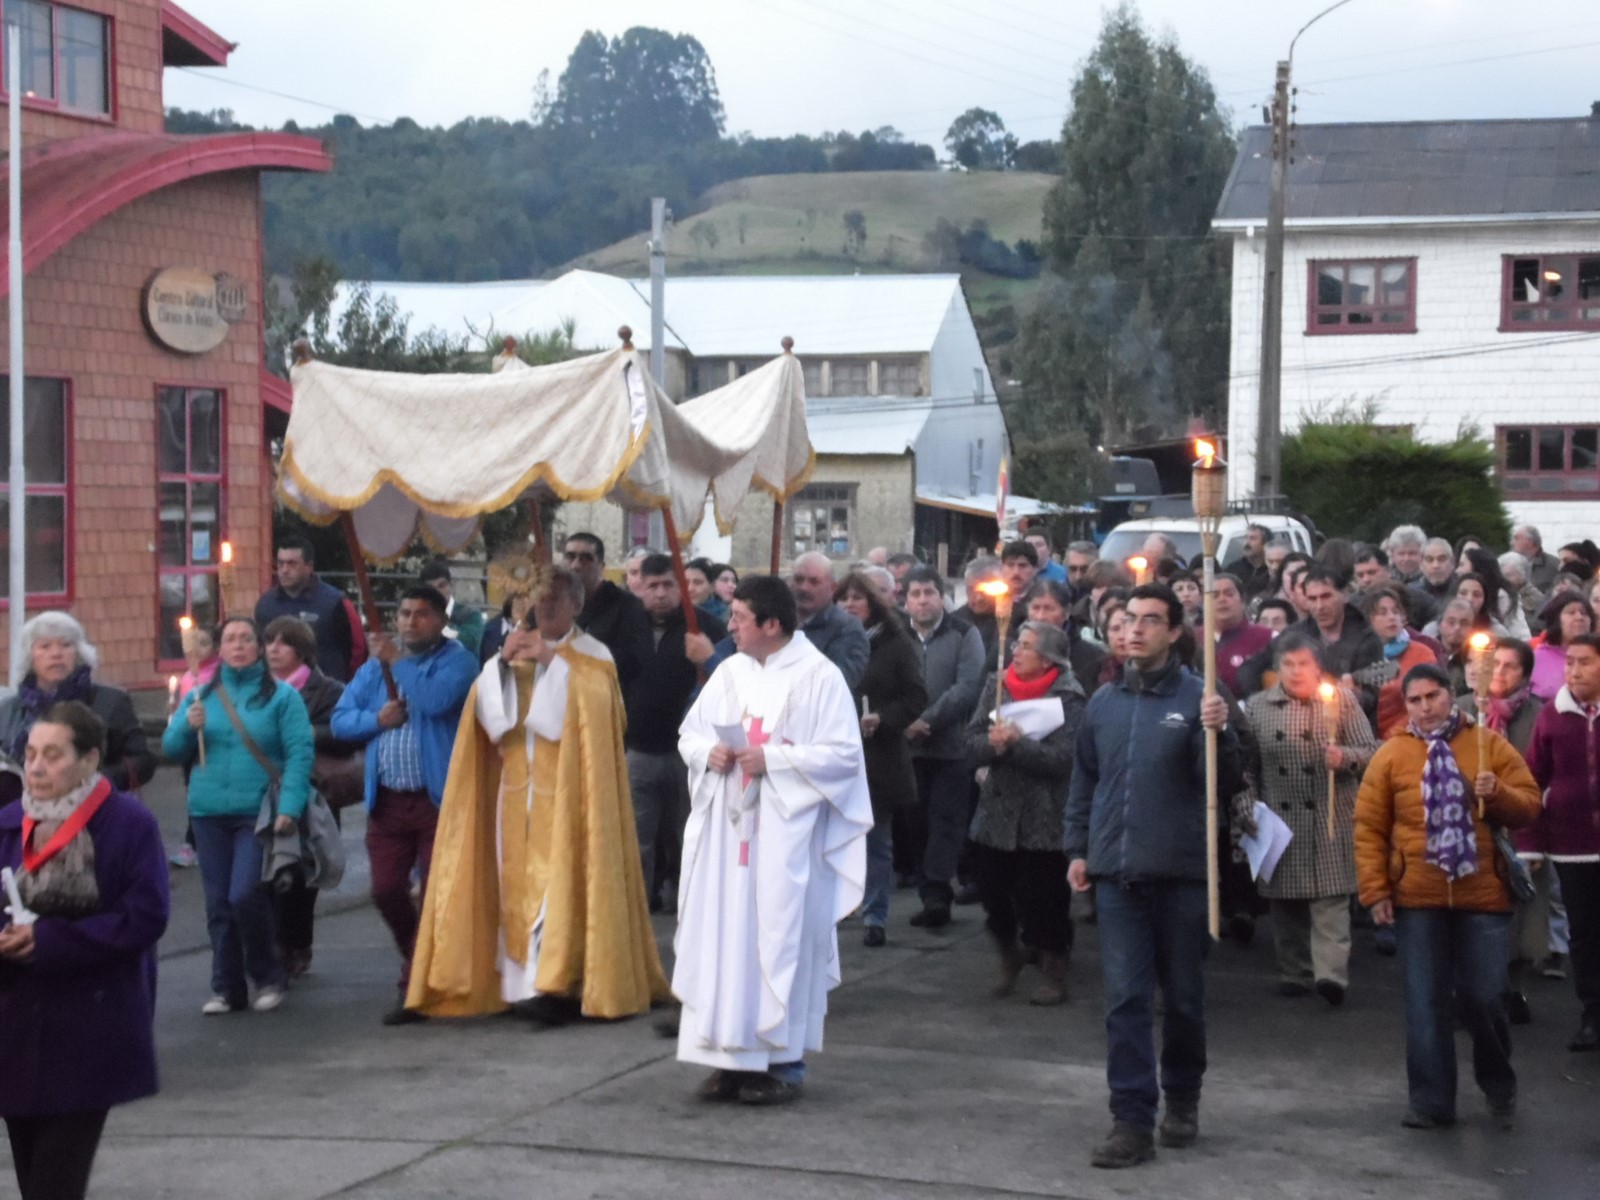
[795, 224]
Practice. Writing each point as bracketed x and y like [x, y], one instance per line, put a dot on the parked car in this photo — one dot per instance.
[1128, 539]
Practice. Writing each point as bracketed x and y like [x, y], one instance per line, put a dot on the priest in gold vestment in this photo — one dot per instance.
[536, 898]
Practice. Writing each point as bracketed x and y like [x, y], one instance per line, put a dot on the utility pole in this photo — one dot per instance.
[18, 479]
[658, 290]
[1269, 407]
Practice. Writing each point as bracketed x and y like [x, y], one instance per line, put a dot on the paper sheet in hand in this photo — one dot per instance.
[732, 736]
[1037, 719]
[1266, 846]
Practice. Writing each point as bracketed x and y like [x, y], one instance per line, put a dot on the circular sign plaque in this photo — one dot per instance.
[188, 309]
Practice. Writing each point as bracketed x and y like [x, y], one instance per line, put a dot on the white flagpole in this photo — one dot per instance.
[17, 491]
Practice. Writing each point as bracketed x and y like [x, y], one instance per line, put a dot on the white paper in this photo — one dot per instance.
[1037, 719]
[731, 736]
[1266, 846]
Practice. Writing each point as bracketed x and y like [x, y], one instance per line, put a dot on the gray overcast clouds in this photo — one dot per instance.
[804, 66]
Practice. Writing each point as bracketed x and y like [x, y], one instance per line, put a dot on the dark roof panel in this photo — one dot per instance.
[1423, 169]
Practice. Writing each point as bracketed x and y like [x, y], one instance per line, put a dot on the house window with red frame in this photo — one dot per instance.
[1550, 291]
[1367, 295]
[1549, 461]
[66, 55]
[189, 448]
[44, 446]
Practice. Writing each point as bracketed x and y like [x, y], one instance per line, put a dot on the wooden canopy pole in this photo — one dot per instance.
[777, 505]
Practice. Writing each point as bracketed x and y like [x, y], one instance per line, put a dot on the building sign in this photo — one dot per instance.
[189, 310]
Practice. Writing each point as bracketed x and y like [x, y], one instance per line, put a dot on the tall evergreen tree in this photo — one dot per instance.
[1130, 335]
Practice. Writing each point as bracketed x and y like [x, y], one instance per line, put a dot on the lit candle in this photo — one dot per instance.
[1140, 565]
[1330, 719]
[225, 575]
[172, 693]
[997, 591]
[1483, 674]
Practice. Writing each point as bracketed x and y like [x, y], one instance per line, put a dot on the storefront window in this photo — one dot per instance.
[189, 448]
[44, 449]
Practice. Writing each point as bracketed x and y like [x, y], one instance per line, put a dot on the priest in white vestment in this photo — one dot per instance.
[774, 854]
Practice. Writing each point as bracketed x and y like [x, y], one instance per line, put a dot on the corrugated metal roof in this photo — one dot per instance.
[734, 316]
[856, 425]
[1418, 169]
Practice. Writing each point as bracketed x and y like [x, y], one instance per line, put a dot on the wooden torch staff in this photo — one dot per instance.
[1480, 644]
[1330, 722]
[1210, 496]
[369, 600]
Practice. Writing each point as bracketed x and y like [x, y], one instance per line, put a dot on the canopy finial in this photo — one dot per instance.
[788, 345]
[626, 334]
[302, 351]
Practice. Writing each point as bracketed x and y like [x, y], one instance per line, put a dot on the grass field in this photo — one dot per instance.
[794, 224]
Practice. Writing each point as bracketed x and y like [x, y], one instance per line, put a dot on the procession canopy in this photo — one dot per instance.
[429, 455]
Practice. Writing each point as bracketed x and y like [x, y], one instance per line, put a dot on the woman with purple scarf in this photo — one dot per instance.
[1426, 863]
[61, 663]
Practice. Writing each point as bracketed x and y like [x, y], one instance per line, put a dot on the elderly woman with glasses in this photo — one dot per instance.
[61, 664]
[1027, 746]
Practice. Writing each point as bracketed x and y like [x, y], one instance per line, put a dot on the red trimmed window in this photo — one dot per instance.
[1550, 291]
[45, 506]
[66, 56]
[1362, 295]
[189, 447]
[1549, 461]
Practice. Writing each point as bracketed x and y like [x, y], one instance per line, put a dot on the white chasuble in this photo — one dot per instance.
[770, 865]
[498, 709]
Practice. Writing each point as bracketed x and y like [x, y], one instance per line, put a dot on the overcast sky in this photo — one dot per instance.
[804, 66]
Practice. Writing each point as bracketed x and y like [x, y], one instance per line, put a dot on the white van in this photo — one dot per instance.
[1128, 539]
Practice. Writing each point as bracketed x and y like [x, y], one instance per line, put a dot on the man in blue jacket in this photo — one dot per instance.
[409, 741]
[1135, 832]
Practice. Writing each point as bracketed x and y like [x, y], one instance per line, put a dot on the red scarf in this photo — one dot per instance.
[1030, 689]
[32, 860]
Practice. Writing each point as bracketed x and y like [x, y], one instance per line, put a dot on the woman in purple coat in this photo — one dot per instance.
[77, 964]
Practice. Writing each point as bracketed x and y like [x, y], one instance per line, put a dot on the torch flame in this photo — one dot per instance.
[994, 588]
[1204, 449]
[1326, 691]
[1479, 641]
[227, 553]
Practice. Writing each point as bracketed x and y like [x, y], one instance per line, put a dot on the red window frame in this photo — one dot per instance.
[1578, 476]
[1535, 318]
[63, 598]
[1344, 311]
[53, 103]
[208, 570]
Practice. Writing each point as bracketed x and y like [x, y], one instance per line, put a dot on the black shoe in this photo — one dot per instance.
[967, 893]
[1180, 1124]
[1330, 991]
[721, 1086]
[874, 936]
[1419, 1120]
[767, 1090]
[1128, 1146]
[1552, 968]
[666, 1025]
[1291, 990]
[933, 916]
[1587, 1038]
[401, 1015]
[1517, 1010]
[1241, 927]
[549, 1011]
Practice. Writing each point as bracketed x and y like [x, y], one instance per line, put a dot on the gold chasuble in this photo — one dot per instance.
[539, 849]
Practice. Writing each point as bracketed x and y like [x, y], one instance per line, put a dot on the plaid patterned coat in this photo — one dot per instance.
[1286, 772]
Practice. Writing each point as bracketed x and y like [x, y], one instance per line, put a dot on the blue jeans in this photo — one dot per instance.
[1152, 933]
[238, 908]
[880, 873]
[1454, 961]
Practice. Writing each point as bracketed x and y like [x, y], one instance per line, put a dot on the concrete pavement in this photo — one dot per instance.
[928, 1088]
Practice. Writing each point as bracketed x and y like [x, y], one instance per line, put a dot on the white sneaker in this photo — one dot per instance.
[216, 1007]
[267, 999]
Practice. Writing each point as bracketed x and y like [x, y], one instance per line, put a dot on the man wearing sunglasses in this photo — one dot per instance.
[610, 614]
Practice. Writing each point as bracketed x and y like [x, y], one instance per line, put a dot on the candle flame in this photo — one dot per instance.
[994, 588]
[1204, 449]
[1327, 691]
[1479, 641]
[1139, 562]
[186, 622]
[172, 682]
[227, 553]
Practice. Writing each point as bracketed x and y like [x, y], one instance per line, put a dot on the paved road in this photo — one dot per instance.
[927, 1089]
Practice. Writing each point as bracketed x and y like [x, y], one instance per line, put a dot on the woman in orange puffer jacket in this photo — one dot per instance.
[1426, 862]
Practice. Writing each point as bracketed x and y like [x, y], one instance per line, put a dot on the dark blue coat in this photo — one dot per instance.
[1136, 810]
[77, 1020]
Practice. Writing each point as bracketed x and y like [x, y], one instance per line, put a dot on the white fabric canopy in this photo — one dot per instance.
[430, 454]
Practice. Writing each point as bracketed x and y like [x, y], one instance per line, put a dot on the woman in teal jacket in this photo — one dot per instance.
[225, 793]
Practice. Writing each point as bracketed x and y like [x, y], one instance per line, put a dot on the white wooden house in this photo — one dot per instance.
[1448, 272]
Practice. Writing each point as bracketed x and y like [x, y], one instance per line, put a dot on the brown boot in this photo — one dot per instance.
[1054, 988]
[1010, 968]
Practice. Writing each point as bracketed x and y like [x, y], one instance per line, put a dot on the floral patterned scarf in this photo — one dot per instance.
[1447, 804]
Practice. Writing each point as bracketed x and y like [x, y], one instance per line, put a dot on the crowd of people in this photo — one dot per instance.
[769, 757]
